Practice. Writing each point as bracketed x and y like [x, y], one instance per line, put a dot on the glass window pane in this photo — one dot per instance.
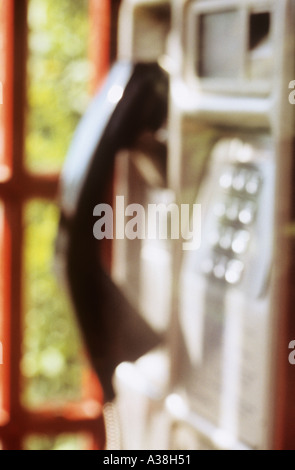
[52, 363]
[58, 77]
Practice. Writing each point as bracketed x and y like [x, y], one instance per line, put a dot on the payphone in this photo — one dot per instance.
[229, 106]
[210, 124]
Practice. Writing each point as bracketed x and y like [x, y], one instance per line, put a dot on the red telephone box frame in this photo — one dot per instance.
[16, 187]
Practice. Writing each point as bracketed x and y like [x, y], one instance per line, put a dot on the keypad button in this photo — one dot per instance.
[240, 242]
[253, 185]
[246, 214]
[226, 180]
[234, 271]
[245, 154]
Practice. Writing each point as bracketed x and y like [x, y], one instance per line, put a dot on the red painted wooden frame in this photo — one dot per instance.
[16, 187]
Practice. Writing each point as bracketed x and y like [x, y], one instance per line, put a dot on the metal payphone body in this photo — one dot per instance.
[229, 141]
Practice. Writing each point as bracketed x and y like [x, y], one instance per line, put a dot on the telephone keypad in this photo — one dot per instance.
[235, 212]
[241, 180]
[230, 239]
[224, 268]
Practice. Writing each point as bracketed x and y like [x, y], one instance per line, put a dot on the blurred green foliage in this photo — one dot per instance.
[58, 77]
[61, 442]
[52, 360]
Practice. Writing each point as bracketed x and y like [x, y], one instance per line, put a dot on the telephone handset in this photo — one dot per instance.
[133, 100]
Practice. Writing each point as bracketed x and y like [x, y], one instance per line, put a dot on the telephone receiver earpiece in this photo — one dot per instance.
[132, 100]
